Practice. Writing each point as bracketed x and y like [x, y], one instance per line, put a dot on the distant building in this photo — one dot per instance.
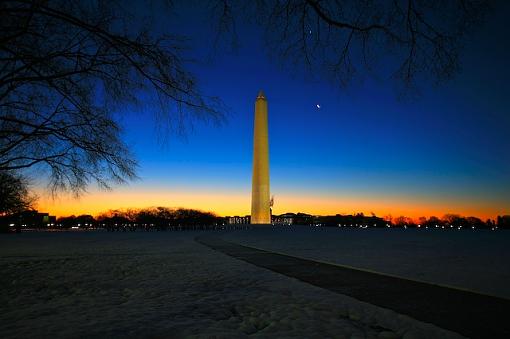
[293, 219]
[31, 219]
[236, 220]
[284, 219]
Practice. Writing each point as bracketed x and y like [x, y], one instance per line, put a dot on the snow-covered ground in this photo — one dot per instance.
[477, 260]
[97, 284]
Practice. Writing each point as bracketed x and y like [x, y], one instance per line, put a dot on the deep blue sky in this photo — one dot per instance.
[363, 150]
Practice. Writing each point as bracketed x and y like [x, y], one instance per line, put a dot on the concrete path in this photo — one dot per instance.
[470, 314]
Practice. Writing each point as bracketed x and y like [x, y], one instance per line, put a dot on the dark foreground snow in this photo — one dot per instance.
[477, 260]
[165, 284]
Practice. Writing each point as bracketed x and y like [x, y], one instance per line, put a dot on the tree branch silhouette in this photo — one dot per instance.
[66, 68]
[344, 39]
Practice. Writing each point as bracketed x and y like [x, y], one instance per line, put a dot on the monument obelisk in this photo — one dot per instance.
[260, 212]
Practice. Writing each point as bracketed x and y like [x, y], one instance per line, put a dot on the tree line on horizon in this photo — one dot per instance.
[447, 221]
[164, 218]
[159, 218]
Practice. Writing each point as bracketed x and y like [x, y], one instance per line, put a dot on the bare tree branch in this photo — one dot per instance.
[403, 39]
[66, 66]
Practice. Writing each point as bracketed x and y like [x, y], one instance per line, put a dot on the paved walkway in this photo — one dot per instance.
[470, 314]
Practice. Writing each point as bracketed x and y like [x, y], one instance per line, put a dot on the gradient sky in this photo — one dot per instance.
[365, 150]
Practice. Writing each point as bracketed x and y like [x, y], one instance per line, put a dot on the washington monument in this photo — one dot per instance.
[260, 212]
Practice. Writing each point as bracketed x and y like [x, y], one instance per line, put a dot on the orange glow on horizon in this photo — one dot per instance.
[238, 203]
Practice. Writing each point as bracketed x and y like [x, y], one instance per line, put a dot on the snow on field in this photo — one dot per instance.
[95, 284]
[477, 260]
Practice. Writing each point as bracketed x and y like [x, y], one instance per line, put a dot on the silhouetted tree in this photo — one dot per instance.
[503, 222]
[475, 222]
[403, 221]
[388, 218]
[343, 38]
[433, 221]
[85, 221]
[66, 66]
[67, 222]
[14, 193]
[453, 219]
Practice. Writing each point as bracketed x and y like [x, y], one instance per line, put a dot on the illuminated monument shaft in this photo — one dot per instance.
[260, 212]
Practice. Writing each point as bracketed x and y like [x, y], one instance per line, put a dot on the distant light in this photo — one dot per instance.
[12, 225]
[318, 106]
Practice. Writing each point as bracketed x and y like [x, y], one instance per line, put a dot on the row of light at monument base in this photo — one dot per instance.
[306, 219]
